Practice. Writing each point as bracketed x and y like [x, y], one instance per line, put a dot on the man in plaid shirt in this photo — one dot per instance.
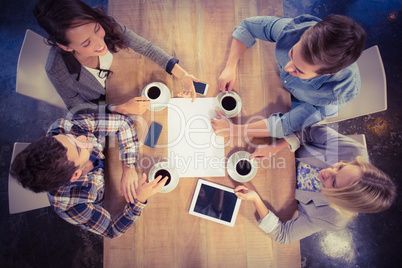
[68, 164]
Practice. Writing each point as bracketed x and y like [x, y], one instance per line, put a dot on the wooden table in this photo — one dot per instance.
[199, 34]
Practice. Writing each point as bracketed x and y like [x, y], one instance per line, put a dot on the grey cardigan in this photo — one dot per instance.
[322, 147]
[79, 89]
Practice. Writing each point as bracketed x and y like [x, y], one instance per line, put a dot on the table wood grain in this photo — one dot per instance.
[166, 235]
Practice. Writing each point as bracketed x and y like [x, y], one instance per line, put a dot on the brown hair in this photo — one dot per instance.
[333, 44]
[373, 192]
[56, 17]
[43, 166]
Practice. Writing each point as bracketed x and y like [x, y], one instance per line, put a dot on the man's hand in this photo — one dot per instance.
[137, 105]
[148, 189]
[227, 79]
[129, 184]
[267, 151]
[222, 125]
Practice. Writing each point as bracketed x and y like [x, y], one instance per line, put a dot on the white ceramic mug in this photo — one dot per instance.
[158, 94]
[229, 104]
[165, 169]
[240, 167]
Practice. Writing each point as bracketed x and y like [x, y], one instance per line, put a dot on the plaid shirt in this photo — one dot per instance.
[81, 202]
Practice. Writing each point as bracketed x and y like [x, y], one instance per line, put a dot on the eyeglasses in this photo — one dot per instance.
[104, 73]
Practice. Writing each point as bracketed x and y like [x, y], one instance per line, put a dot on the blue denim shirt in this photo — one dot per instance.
[312, 99]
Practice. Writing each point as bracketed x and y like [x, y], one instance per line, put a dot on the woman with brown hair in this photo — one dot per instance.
[330, 192]
[83, 41]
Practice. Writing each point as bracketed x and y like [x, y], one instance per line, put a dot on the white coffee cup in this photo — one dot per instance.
[158, 94]
[164, 168]
[228, 103]
[241, 168]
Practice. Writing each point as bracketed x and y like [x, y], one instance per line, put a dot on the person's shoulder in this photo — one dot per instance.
[295, 28]
[350, 72]
[347, 82]
[54, 60]
[309, 197]
[318, 210]
[306, 18]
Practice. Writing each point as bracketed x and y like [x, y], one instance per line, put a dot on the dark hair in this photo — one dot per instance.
[43, 166]
[57, 16]
[333, 43]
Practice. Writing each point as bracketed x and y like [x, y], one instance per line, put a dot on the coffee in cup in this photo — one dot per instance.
[243, 167]
[228, 103]
[153, 92]
[164, 173]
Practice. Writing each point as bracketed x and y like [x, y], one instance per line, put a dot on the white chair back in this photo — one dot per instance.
[373, 93]
[32, 80]
[361, 138]
[19, 198]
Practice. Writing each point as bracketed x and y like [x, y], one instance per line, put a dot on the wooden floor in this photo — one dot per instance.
[198, 33]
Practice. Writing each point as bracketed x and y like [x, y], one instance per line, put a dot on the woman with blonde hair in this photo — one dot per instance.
[335, 182]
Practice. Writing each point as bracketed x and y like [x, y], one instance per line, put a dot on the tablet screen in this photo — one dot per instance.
[215, 202]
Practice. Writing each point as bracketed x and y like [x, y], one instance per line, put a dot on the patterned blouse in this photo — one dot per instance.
[307, 177]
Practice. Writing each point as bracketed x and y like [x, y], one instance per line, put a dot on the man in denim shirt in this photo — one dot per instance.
[316, 63]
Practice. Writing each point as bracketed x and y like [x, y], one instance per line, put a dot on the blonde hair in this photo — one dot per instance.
[373, 192]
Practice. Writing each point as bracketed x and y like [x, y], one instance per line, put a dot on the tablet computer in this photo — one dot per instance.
[215, 202]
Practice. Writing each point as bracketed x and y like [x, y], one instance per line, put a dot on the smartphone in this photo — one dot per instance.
[153, 134]
[201, 88]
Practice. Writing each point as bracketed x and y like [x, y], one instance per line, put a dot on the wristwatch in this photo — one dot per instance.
[110, 108]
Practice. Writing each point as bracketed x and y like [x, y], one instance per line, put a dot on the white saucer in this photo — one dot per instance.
[231, 166]
[174, 175]
[162, 101]
[218, 105]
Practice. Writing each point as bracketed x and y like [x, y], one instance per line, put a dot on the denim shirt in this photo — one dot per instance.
[312, 99]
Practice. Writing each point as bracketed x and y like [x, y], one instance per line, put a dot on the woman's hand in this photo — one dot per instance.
[137, 105]
[244, 193]
[222, 125]
[227, 79]
[186, 81]
[148, 189]
[188, 87]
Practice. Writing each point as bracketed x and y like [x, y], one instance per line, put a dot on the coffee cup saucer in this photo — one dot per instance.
[162, 101]
[231, 166]
[218, 104]
[174, 175]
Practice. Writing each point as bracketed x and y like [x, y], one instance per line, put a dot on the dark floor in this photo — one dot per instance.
[40, 239]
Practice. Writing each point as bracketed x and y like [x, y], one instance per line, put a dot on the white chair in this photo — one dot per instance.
[373, 93]
[361, 138]
[32, 80]
[19, 198]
